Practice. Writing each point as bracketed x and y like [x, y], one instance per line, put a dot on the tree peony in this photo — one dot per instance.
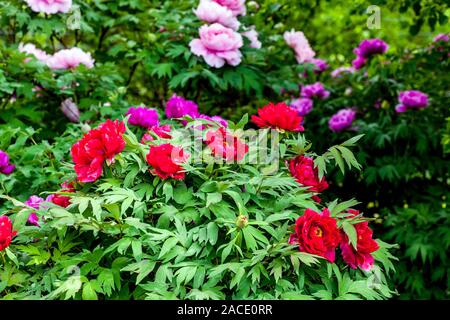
[342, 120]
[70, 59]
[212, 12]
[278, 116]
[236, 6]
[297, 41]
[217, 45]
[50, 6]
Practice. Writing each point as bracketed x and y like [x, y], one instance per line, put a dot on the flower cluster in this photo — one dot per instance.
[96, 147]
[318, 233]
[366, 49]
[219, 42]
[6, 232]
[142, 117]
[5, 166]
[411, 99]
[63, 59]
[50, 6]
[302, 169]
[342, 120]
[278, 116]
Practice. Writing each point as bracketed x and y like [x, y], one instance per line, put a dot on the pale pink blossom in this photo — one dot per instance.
[236, 6]
[70, 59]
[213, 12]
[50, 6]
[31, 49]
[297, 41]
[217, 45]
[252, 35]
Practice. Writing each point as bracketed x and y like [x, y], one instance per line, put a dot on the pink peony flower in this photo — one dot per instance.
[32, 50]
[252, 35]
[297, 41]
[50, 6]
[217, 45]
[236, 6]
[70, 59]
[213, 12]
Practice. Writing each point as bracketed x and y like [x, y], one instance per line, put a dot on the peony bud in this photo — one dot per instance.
[70, 110]
[241, 221]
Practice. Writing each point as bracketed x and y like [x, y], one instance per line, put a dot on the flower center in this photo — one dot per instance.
[318, 232]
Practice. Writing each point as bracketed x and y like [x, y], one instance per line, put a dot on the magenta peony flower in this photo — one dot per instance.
[411, 99]
[142, 117]
[70, 59]
[217, 45]
[342, 120]
[236, 6]
[370, 47]
[5, 166]
[178, 107]
[302, 105]
[50, 6]
[32, 50]
[337, 73]
[359, 62]
[34, 202]
[297, 41]
[315, 90]
[252, 35]
[442, 37]
[213, 12]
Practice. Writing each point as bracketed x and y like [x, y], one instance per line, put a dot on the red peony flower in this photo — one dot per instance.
[95, 147]
[225, 145]
[278, 116]
[361, 256]
[160, 131]
[60, 200]
[166, 159]
[316, 233]
[6, 232]
[302, 169]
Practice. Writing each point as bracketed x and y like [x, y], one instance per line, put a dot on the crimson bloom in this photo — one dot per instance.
[166, 161]
[316, 233]
[6, 232]
[361, 256]
[278, 116]
[225, 145]
[98, 145]
[60, 200]
[302, 169]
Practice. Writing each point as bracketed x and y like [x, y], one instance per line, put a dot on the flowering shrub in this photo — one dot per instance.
[160, 225]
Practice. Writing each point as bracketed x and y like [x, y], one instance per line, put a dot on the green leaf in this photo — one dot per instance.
[350, 231]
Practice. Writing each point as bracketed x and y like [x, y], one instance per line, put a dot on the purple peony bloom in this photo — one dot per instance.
[142, 117]
[177, 107]
[5, 166]
[442, 37]
[34, 202]
[342, 120]
[315, 90]
[337, 73]
[370, 47]
[320, 65]
[302, 105]
[411, 99]
[359, 62]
